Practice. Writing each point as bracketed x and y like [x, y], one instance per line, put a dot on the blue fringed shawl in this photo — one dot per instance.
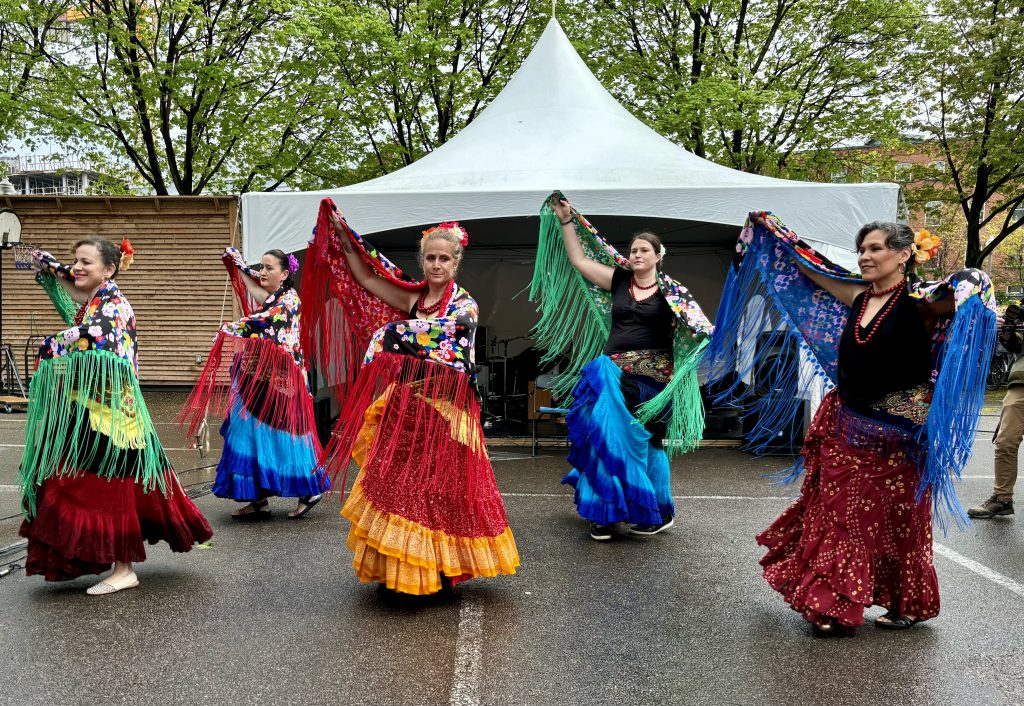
[768, 303]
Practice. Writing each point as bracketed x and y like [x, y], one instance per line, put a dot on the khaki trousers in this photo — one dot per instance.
[1008, 438]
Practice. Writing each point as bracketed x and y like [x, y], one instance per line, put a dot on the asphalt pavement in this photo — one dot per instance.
[271, 613]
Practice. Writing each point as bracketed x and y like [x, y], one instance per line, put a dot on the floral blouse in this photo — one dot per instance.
[276, 319]
[105, 323]
[447, 340]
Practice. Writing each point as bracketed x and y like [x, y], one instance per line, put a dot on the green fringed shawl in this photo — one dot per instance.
[575, 321]
[85, 411]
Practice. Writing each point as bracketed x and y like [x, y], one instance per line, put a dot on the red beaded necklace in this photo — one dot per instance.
[439, 305]
[871, 292]
[634, 286]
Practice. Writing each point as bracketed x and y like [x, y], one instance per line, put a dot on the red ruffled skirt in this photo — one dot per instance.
[416, 515]
[857, 536]
[84, 523]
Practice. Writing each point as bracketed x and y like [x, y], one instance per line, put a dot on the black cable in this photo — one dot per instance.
[10, 567]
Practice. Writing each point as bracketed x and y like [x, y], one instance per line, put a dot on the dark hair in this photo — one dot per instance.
[282, 260]
[898, 236]
[651, 237]
[109, 253]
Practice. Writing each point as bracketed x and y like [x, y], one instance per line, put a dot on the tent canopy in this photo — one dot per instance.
[554, 126]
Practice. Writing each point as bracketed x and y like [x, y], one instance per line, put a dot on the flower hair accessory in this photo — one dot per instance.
[453, 228]
[925, 247]
[293, 264]
[127, 254]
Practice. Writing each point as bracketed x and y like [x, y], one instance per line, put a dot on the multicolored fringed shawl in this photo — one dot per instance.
[575, 321]
[350, 331]
[85, 408]
[257, 360]
[768, 302]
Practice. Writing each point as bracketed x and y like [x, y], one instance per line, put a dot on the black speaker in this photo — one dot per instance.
[777, 363]
[788, 438]
[480, 344]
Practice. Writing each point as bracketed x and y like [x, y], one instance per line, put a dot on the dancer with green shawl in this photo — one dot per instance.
[96, 484]
[633, 337]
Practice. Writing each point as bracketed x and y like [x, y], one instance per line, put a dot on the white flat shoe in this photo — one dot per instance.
[103, 588]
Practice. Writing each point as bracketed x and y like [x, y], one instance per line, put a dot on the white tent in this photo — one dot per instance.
[554, 126]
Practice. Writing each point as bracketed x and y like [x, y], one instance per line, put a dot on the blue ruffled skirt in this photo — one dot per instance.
[260, 461]
[618, 474]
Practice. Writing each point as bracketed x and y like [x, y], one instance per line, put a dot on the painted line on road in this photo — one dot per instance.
[674, 497]
[468, 654]
[980, 569]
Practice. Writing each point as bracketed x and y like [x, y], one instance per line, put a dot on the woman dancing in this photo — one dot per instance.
[96, 484]
[643, 335]
[255, 374]
[425, 508]
[907, 361]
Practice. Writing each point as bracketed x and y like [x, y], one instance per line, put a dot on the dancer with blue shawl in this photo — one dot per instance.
[633, 336]
[905, 362]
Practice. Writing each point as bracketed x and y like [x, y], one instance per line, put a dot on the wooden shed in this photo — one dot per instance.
[177, 284]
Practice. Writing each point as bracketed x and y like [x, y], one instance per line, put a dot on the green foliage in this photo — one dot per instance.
[410, 74]
[192, 95]
[972, 107]
[25, 28]
[751, 83]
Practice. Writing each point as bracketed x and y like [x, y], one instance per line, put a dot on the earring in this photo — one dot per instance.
[903, 268]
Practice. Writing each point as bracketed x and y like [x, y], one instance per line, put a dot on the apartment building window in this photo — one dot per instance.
[933, 214]
[869, 173]
[904, 172]
[839, 175]
[939, 165]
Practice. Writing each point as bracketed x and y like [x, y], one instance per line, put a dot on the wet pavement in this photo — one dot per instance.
[271, 613]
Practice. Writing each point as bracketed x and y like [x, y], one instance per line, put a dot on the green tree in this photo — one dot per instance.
[191, 95]
[25, 28]
[409, 74]
[751, 83]
[972, 106]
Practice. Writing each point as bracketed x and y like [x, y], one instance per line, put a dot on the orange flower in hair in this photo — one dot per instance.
[926, 246]
[452, 227]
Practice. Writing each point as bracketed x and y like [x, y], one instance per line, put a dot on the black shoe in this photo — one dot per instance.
[830, 628]
[993, 507]
[601, 533]
[648, 530]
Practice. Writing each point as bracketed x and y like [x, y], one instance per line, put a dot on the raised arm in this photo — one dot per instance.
[845, 292]
[249, 276]
[61, 273]
[594, 272]
[377, 286]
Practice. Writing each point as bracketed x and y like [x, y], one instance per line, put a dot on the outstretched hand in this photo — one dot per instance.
[335, 215]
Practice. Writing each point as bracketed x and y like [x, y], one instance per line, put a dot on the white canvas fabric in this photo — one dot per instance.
[555, 126]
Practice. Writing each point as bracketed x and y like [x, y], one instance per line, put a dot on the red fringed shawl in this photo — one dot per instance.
[256, 360]
[425, 366]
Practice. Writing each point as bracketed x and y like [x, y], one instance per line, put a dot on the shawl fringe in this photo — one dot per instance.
[86, 411]
[260, 374]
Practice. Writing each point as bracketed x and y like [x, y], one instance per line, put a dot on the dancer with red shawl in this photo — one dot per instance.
[425, 508]
[906, 363]
[96, 483]
[255, 376]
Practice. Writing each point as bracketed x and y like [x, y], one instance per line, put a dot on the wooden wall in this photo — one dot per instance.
[176, 285]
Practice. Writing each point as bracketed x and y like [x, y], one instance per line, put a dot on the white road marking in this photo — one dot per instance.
[166, 448]
[980, 569]
[674, 497]
[468, 654]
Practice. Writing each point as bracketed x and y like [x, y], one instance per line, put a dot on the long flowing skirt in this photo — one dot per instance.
[414, 516]
[857, 536]
[620, 472]
[260, 460]
[84, 523]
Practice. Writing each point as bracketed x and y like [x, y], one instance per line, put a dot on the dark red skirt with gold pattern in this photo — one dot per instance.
[857, 536]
